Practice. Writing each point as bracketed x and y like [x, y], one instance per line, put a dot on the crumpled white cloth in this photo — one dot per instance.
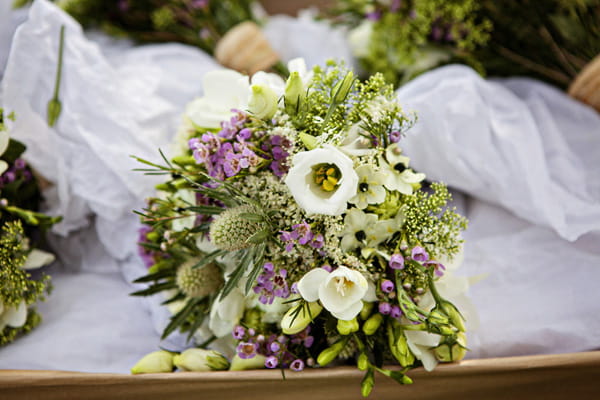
[538, 295]
[518, 143]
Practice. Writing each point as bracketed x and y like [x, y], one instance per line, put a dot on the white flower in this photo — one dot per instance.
[370, 187]
[224, 90]
[4, 140]
[188, 197]
[356, 225]
[398, 176]
[421, 344]
[263, 102]
[15, 317]
[314, 198]
[225, 314]
[341, 292]
[299, 65]
[38, 258]
[359, 39]
[355, 144]
[272, 81]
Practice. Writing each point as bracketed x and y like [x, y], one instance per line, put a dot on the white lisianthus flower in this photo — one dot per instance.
[225, 313]
[355, 144]
[370, 187]
[272, 81]
[360, 37]
[322, 180]
[224, 90]
[263, 102]
[397, 174]
[341, 292]
[15, 317]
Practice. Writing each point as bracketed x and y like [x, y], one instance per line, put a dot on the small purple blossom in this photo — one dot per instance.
[419, 254]
[395, 136]
[275, 347]
[297, 365]
[387, 286]
[271, 284]
[396, 261]
[238, 332]
[327, 267]
[20, 163]
[385, 308]
[395, 312]
[437, 266]
[271, 362]
[304, 233]
[246, 350]
[374, 16]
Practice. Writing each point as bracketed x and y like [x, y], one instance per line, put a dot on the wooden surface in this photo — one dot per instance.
[565, 376]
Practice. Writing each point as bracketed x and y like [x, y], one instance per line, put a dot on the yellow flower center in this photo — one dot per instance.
[327, 176]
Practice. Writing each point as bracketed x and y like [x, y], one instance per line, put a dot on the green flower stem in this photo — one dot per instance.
[54, 105]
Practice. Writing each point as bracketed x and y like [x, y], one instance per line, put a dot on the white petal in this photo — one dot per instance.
[308, 286]
[226, 88]
[409, 176]
[428, 359]
[335, 300]
[15, 316]
[4, 140]
[38, 258]
[350, 312]
[3, 166]
[371, 294]
[421, 338]
[232, 307]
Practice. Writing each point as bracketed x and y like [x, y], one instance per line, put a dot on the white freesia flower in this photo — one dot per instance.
[370, 187]
[309, 195]
[224, 90]
[225, 313]
[15, 317]
[397, 174]
[355, 144]
[359, 39]
[421, 344]
[341, 292]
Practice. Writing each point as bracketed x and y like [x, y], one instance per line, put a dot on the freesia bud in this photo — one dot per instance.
[438, 317]
[366, 310]
[155, 362]
[372, 324]
[329, 354]
[455, 316]
[342, 88]
[363, 362]
[200, 360]
[242, 364]
[263, 102]
[452, 349]
[347, 327]
[295, 321]
[294, 93]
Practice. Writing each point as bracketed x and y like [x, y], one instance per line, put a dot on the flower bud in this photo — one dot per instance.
[330, 353]
[263, 102]
[200, 360]
[294, 94]
[455, 316]
[155, 362]
[347, 327]
[401, 351]
[452, 349]
[342, 88]
[438, 317]
[366, 386]
[308, 140]
[184, 160]
[363, 362]
[295, 321]
[242, 364]
[372, 324]
[366, 309]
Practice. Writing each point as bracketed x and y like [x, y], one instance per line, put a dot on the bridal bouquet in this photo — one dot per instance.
[403, 39]
[20, 226]
[293, 230]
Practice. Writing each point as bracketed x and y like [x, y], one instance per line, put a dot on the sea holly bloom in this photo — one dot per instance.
[398, 176]
[370, 187]
[341, 292]
[322, 180]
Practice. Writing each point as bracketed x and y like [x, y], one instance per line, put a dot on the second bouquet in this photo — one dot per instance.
[293, 231]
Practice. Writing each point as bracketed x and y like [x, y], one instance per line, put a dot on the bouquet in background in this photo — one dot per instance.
[552, 40]
[21, 226]
[402, 39]
[293, 231]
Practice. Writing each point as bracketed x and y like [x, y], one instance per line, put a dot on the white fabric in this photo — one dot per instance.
[510, 144]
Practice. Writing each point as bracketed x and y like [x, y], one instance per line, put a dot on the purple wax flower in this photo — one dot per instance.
[304, 232]
[385, 308]
[238, 332]
[246, 350]
[271, 362]
[297, 365]
[396, 261]
[20, 163]
[271, 284]
[317, 241]
[327, 267]
[395, 136]
[395, 312]
[438, 267]
[387, 286]
[395, 5]
[419, 254]
[245, 134]
[374, 16]
[274, 347]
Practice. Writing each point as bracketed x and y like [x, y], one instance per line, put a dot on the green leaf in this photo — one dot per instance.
[209, 258]
[180, 317]
[234, 278]
[259, 237]
[159, 287]
[164, 273]
[207, 210]
[253, 217]
[257, 268]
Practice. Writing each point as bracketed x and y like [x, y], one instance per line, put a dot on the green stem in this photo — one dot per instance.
[60, 62]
